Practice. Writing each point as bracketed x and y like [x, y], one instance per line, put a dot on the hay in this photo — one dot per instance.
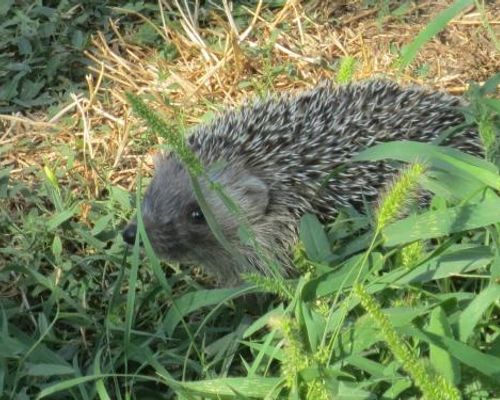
[217, 64]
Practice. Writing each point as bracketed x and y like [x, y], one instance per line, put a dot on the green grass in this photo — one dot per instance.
[432, 29]
[42, 47]
[388, 307]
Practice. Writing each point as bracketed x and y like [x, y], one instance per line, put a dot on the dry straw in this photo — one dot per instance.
[309, 40]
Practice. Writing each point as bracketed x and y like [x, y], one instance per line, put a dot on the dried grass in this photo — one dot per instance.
[100, 127]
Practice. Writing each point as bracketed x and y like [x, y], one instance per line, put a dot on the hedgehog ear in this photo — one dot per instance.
[160, 158]
[252, 194]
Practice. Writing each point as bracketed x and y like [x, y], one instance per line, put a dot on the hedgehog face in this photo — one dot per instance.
[172, 217]
[175, 223]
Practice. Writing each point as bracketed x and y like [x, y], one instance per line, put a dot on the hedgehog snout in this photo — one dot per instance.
[129, 233]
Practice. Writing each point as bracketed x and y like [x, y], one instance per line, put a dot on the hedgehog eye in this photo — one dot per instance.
[197, 216]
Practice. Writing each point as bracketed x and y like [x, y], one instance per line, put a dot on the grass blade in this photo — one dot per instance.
[313, 236]
[433, 224]
[433, 28]
[474, 311]
[441, 359]
[486, 364]
[436, 157]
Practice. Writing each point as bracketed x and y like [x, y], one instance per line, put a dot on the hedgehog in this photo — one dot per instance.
[275, 159]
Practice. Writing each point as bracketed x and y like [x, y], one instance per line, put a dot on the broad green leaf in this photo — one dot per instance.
[77, 39]
[193, 301]
[314, 325]
[61, 217]
[375, 369]
[454, 262]
[101, 224]
[87, 237]
[495, 267]
[8, 90]
[70, 383]
[365, 333]
[313, 236]
[440, 158]
[49, 370]
[433, 224]
[75, 318]
[29, 90]
[51, 177]
[143, 354]
[263, 321]
[350, 391]
[230, 387]
[491, 85]
[486, 364]
[397, 388]
[39, 352]
[440, 359]
[5, 5]
[259, 358]
[402, 316]
[493, 104]
[99, 384]
[452, 187]
[50, 283]
[24, 46]
[56, 246]
[272, 352]
[472, 314]
[122, 197]
[11, 347]
[342, 278]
